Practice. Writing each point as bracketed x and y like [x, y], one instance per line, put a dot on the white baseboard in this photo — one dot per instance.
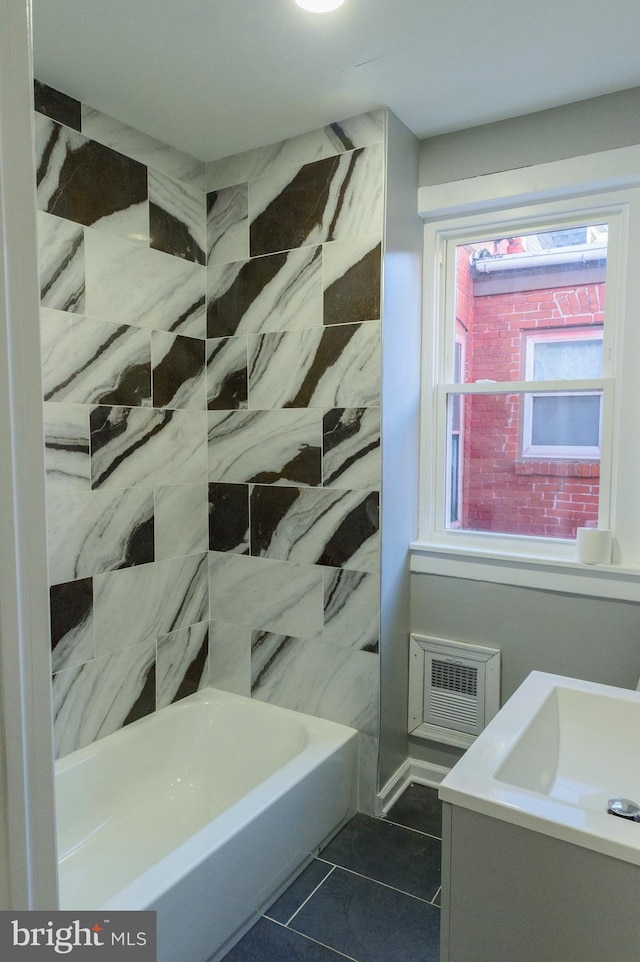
[412, 770]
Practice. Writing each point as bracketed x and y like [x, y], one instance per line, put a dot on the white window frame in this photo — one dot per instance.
[532, 451]
[597, 188]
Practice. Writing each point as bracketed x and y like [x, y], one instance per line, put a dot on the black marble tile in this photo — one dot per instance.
[184, 363]
[299, 890]
[145, 704]
[227, 305]
[355, 296]
[227, 374]
[370, 922]
[173, 236]
[297, 212]
[76, 165]
[269, 942]
[196, 668]
[229, 517]
[57, 106]
[70, 606]
[406, 860]
[269, 506]
[418, 807]
[357, 527]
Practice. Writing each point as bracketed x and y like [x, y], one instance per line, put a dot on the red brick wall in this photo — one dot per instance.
[503, 492]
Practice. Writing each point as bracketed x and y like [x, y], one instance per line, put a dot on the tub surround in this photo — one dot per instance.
[211, 358]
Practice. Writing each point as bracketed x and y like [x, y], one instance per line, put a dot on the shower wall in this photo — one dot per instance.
[211, 368]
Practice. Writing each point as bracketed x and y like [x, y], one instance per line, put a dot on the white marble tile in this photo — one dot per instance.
[127, 140]
[259, 593]
[359, 131]
[277, 292]
[269, 447]
[139, 604]
[230, 657]
[140, 446]
[100, 696]
[66, 451]
[179, 371]
[181, 512]
[182, 663]
[177, 217]
[61, 263]
[227, 225]
[226, 373]
[280, 161]
[89, 532]
[351, 609]
[336, 367]
[351, 454]
[316, 526]
[87, 360]
[129, 284]
[335, 683]
[352, 278]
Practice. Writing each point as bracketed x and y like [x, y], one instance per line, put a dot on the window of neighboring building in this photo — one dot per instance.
[528, 391]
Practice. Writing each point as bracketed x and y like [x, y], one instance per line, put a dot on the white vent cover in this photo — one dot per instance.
[454, 689]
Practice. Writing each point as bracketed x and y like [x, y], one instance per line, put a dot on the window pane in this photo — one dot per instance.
[512, 288]
[566, 420]
[501, 492]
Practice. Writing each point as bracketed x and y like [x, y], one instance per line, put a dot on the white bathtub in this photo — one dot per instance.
[202, 812]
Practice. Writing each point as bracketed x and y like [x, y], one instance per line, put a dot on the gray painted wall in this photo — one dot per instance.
[601, 123]
[592, 638]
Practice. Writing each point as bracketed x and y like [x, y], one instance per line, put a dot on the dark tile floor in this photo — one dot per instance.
[372, 895]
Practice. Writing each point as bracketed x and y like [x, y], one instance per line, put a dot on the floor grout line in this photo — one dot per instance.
[310, 939]
[393, 888]
[409, 828]
[300, 907]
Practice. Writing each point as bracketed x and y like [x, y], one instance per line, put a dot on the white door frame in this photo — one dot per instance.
[28, 878]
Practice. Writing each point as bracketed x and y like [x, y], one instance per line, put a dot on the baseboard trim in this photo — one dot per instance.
[412, 770]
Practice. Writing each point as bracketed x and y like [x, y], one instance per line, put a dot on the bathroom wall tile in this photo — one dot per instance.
[181, 512]
[90, 361]
[230, 657]
[140, 446]
[336, 367]
[66, 452]
[133, 607]
[68, 167]
[351, 606]
[259, 593]
[129, 284]
[176, 218]
[330, 199]
[127, 140]
[279, 162]
[56, 105]
[179, 371]
[336, 528]
[227, 377]
[277, 292]
[351, 448]
[228, 224]
[71, 617]
[95, 531]
[334, 683]
[269, 447]
[182, 666]
[359, 131]
[61, 263]
[352, 278]
[229, 518]
[101, 696]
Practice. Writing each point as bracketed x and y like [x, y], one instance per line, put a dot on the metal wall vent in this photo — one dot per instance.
[454, 689]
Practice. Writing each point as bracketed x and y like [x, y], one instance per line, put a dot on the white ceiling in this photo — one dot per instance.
[215, 77]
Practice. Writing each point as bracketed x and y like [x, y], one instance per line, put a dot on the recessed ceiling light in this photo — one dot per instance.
[320, 6]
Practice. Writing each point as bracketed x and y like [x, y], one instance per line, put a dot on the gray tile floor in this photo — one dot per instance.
[372, 895]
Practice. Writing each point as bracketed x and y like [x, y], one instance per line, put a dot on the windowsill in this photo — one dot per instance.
[527, 571]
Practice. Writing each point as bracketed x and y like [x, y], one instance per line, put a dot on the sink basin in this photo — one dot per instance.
[551, 759]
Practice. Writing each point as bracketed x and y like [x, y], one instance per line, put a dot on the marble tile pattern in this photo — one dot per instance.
[211, 367]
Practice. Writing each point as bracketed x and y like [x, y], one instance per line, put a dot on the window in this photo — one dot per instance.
[530, 378]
